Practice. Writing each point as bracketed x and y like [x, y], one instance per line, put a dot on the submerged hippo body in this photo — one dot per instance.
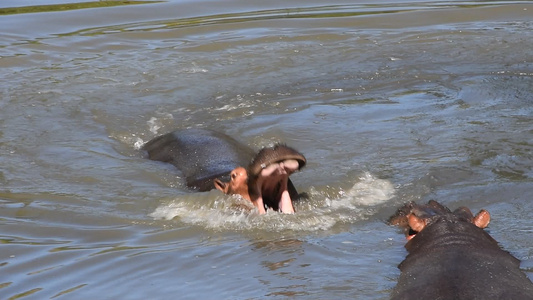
[452, 257]
[201, 155]
[209, 159]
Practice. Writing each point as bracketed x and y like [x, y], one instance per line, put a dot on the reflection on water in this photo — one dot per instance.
[65, 6]
[390, 102]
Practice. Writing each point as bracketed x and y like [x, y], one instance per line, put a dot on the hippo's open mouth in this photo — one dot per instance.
[269, 183]
[284, 167]
[266, 181]
[411, 234]
[273, 184]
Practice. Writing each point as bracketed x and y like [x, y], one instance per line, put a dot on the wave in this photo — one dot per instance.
[318, 212]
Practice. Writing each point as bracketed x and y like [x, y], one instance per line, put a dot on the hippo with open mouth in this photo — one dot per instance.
[452, 257]
[209, 159]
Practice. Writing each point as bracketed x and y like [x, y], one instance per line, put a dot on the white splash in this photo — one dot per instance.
[137, 145]
[219, 212]
[163, 118]
[194, 69]
[371, 191]
[154, 125]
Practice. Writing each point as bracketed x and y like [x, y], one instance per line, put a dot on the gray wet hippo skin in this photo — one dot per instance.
[452, 257]
[209, 159]
[201, 155]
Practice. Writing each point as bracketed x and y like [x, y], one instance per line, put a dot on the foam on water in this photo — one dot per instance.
[137, 145]
[154, 125]
[370, 190]
[318, 212]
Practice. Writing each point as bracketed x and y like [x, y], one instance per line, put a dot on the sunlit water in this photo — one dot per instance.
[389, 101]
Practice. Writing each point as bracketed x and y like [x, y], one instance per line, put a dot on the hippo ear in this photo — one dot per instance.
[416, 223]
[221, 186]
[482, 219]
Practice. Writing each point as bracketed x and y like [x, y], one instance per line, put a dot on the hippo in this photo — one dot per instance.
[450, 256]
[213, 160]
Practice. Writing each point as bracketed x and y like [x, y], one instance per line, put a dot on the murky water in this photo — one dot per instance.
[389, 101]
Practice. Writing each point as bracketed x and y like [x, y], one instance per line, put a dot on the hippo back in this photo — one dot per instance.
[454, 259]
[201, 155]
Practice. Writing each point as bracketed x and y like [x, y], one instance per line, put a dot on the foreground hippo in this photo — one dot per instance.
[209, 159]
[452, 257]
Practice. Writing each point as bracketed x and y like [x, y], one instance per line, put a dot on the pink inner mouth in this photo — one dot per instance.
[288, 166]
[274, 178]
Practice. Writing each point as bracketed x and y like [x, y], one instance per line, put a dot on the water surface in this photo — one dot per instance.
[390, 102]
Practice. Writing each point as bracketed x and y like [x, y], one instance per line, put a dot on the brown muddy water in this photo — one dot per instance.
[390, 101]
